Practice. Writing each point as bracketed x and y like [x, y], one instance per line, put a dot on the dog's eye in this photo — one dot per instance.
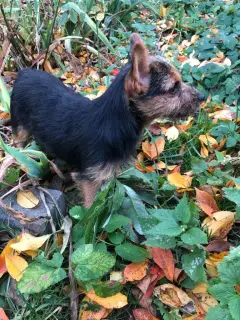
[175, 87]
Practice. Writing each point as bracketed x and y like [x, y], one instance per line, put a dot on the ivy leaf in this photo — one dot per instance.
[38, 277]
[223, 292]
[218, 313]
[194, 236]
[232, 194]
[193, 263]
[131, 252]
[92, 266]
[107, 289]
[234, 307]
[116, 222]
[164, 242]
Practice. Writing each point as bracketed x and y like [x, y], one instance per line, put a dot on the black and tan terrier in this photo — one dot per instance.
[98, 137]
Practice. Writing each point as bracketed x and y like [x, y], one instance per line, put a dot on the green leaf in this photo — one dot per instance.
[168, 225]
[34, 168]
[232, 194]
[5, 97]
[136, 209]
[118, 196]
[133, 173]
[92, 266]
[131, 252]
[229, 271]
[182, 210]
[194, 236]
[164, 242]
[193, 263]
[116, 237]
[55, 262]
[83, 252]
[77, 212]
[78, 231]
[223, 292]
[198, 165]
[90, 23]
[38, 277]
[107, 289]
[218, 313]
[234, 307]
[116, 222]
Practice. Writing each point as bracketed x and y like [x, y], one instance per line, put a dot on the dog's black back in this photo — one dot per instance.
[82, 132]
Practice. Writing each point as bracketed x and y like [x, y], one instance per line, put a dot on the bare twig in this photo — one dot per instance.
[54, 201]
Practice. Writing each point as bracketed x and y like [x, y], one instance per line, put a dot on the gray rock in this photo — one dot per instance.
[37, 226]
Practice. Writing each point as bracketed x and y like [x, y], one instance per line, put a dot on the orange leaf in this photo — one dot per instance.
[91, 315]
[136, 271]
[3, 315]
[204, 151]
[4, 115]
[206, 202]
[3, 267]
[220, 224]
[143, 314]
[114, 302]
[179, 181]
[15, 266]
[164, 259]
[152, 150]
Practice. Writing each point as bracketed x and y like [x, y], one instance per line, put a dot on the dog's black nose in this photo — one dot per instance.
[201, 96]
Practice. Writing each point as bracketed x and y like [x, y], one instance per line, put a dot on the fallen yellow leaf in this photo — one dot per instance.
[179, 181]
[212, 262]
[90, 315]
[220, 224]
[116, 276]
[200, 288]
[15, 266]
[172, 296]
[29, 242]
[27, 199]
[114, 302]
[208, 140]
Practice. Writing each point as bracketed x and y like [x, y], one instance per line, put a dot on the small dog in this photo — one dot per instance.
[98, 137]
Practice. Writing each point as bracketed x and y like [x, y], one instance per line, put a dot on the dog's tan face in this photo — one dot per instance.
[156, 86]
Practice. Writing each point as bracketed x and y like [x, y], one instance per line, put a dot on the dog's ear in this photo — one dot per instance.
[137, 80]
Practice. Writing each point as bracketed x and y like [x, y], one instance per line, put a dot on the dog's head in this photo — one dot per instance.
[156, 87]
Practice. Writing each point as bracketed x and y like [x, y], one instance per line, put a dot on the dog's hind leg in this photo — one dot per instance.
[20, 136]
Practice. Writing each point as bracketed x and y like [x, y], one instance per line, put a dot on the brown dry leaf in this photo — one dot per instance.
[27, 199]
[206, 202]
[15, 266]
[179, 181]
[179, 275]
[47, 67]
[29, 242]
[152, 150]
[212, 262]
[143, 314]
[164, 259]
[218, 246]
[220, 224]
[172, 296]
[136, 271]
[208, 140]
[206, 301]
[117, 301]
[3, 315]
